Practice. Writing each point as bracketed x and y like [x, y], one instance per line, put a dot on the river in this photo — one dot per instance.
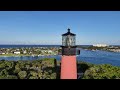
[95, 57]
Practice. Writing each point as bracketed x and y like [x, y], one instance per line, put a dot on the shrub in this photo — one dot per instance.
[22, 74]
[33, 77]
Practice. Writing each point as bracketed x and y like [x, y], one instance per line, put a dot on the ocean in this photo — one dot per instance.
[25, 46]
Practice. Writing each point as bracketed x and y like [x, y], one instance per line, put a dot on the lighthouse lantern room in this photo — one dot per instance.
[68, 43]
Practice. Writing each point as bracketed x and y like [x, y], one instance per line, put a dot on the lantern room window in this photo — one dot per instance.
[68, 39]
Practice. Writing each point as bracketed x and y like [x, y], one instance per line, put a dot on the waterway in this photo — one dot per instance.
[95, 57]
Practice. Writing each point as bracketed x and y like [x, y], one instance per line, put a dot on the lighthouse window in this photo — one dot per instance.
[64, 40]
[68, 40]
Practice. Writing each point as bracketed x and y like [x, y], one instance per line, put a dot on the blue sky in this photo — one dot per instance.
[46, 27]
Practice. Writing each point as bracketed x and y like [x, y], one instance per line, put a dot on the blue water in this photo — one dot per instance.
[25, 46]
[100, 57]
[95, 57]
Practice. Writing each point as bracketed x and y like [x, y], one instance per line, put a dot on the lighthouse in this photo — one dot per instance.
[68, 59]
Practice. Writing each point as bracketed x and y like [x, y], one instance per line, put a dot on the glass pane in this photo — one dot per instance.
[68, 40]
[63, 40]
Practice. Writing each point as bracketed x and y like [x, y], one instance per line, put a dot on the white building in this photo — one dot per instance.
[100, 45]
[25, 52]
[17, 52]
[50, 51]
[1, 53]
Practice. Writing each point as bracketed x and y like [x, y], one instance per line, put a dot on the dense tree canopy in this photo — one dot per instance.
[37, 69]
[103, 71]
[47, 69]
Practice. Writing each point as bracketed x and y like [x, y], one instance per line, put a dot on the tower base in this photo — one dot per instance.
[68, 67]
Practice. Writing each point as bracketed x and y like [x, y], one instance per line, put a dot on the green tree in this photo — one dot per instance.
[33, 77]
[4, 72]
[17, 68]
[33, 73]
[11, 77]
[104, 71]
[2, 65]
[22, 74]
[27, 67]
[53, 76]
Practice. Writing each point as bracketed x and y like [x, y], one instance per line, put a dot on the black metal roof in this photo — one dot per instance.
[68, 33]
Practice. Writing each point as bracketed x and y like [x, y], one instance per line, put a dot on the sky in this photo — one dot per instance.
[46, 27]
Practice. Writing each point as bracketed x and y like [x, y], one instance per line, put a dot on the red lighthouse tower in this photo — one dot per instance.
[68, 62]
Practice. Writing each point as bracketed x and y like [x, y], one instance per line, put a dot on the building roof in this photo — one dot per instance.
[68, 33]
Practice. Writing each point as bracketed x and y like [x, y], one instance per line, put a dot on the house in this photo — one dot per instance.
[50, 51]
[25, 52]
[100, 45]
[1, 53]
[16, 52]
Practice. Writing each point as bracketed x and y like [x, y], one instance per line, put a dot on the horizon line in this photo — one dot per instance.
[51, 44]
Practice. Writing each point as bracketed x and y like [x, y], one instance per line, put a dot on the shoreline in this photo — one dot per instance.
[24, 55]
[102, 50]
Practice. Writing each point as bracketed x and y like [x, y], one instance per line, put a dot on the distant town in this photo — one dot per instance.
[31, 51]
[104, 47]
[46, 51]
